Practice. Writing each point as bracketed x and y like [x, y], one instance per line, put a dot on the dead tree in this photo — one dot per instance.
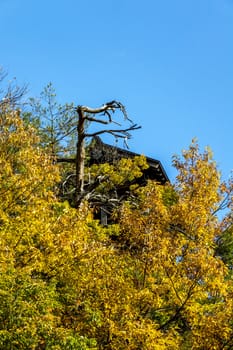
[102, 115]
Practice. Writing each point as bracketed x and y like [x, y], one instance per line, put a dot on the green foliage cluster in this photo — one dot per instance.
[55, 123]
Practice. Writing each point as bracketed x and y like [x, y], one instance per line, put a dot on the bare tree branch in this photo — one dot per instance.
[122, 133]
[109, 106]
[11, 95]
[90, 119]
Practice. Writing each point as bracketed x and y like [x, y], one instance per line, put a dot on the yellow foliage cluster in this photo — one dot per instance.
[125, 170]
[66, 283]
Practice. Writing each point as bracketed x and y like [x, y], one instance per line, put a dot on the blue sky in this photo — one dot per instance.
[169, 61]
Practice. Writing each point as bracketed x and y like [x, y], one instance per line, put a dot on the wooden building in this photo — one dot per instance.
[100, 152]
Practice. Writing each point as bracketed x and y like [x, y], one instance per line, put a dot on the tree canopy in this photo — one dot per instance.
[159, 277]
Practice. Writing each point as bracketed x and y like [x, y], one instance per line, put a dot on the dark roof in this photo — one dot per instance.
[101, 152]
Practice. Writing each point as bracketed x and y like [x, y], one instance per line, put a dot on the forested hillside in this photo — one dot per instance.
[158, 277]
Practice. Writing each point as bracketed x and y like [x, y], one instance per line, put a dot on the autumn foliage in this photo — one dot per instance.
[158, 278]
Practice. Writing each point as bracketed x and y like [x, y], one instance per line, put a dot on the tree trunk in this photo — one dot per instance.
[80, 156]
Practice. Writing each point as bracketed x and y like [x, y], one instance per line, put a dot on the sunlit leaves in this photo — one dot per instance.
[26, 172]
[152, 280]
